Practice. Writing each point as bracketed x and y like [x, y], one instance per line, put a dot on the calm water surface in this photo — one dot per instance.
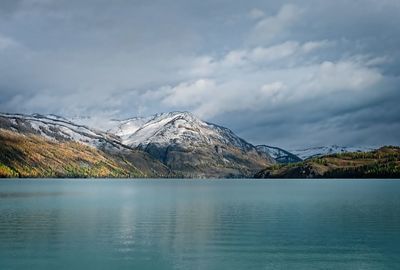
[189, 224]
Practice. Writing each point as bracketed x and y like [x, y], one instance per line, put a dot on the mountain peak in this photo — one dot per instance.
[162, 128]
[176, 113]
[182, 140]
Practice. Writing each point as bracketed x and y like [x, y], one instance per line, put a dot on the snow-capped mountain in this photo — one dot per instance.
[185, 144]
[58, 128]
[125, 128]
[279, 154]
[327, 150]
[175, 128]
[188, 144]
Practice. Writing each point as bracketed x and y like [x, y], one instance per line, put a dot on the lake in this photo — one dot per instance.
[199, 224]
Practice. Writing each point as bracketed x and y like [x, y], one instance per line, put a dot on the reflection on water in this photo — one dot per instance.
[239, 224]
[28, 194]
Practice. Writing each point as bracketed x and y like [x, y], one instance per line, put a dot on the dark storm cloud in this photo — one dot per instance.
[291, 74]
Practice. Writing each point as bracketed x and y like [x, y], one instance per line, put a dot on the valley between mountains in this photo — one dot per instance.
[167, 145]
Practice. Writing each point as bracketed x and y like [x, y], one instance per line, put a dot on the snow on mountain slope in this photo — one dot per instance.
[175, 128]
[177, 141]
[279, 154]
[327, 150]
[125, 128]
[96, 122]
[57, 128]
[191, 146]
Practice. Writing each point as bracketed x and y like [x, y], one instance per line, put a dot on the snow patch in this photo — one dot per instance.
[328, 150]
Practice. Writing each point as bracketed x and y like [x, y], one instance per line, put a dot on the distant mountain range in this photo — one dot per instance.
[380, 163]
[175, 144]
[280, 155]
[312, 152]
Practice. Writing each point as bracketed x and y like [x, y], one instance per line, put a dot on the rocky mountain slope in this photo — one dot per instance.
[381, 163]
[307, 153]
[279, 154]
[192, 147]
[168, 144]
[175, 144]
[30, 155]
[60, 129]
[49, 131]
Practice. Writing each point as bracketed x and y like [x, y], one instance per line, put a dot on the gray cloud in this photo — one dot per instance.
[291, 74]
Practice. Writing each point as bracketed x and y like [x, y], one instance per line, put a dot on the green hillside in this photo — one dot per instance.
[381, 163]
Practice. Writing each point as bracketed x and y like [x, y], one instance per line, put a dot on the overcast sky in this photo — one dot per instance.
[290, 74]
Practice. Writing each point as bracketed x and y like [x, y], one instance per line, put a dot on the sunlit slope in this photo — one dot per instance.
[29, 155]
[381, 163]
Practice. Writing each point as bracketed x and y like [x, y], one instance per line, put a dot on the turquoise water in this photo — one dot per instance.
[189, 224]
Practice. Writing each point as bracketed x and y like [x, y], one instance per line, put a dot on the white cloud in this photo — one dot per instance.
[270, 27]
[234, 58]
[315, 45]
[267, 77]
[255, 90]
[262, 54]
[343, 75]
[190, 93]
[247, 58]
[273, 91]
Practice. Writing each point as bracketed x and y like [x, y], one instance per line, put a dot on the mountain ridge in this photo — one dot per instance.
[279, 154]
[184, 142]
[180, 141]
[318, 151]
[30, 155]
[61, 131]
[381, 163]
[172, 144]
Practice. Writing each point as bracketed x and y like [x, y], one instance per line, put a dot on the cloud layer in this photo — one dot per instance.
[292, 74]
